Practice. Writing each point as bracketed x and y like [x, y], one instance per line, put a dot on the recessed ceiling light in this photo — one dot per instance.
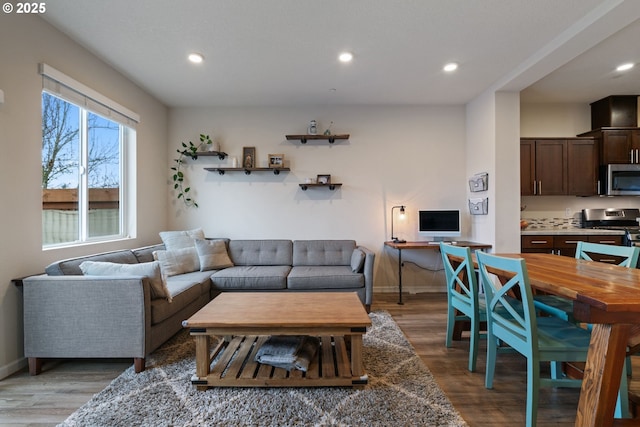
[625, 67]
[345, 57]
[452, 66]
[196, 58]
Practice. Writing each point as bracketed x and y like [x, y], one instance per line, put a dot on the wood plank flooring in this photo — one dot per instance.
[49, 398]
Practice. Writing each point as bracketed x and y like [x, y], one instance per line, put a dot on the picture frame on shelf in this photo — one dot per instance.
[248, 157]
[323, 179]
[276, 160]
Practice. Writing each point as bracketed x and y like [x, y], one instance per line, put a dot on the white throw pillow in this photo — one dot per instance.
[178, 261]
[150, 270]
[213, 255]
[181, 239]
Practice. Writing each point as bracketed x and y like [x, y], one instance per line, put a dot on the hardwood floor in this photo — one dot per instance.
[63, 386]
[423, 320]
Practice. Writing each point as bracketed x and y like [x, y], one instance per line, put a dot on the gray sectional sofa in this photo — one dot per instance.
[71, 315]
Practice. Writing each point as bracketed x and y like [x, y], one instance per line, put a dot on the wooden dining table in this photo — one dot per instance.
[607, 296]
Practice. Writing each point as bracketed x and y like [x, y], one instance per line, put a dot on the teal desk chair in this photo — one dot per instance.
[513, 322]
[563, 307]
[463, 299]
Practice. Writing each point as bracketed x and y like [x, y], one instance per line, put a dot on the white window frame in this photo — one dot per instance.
[87, 100]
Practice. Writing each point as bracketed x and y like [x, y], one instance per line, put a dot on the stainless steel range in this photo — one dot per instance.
[615, 219]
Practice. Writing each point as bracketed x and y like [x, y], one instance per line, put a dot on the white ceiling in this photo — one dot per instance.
[284, 52]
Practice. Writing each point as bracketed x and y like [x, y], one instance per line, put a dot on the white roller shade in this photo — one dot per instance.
[59, 84]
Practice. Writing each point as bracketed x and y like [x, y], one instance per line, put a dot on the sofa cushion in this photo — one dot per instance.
[213, 254]
[324, 277]
[323, 252]
[145, 254]
[181, 239]
[251, 277]
[71, 266]
[357, 260]
[178, 261]
[260, 252]
[183, 289]
[150, 270]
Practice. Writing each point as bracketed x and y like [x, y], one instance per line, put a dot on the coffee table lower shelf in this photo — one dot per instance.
[236, 366]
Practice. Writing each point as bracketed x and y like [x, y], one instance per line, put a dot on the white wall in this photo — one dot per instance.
[26, 41]
[507, 163]
[481, 157]
[413, 156]
[552, 120]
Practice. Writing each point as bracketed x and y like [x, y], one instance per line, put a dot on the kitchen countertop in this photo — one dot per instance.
[530, 231]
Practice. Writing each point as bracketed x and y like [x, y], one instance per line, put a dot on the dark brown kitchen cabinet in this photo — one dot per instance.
[551, 244]
[617, 145]
[582, 167]
[537, 244]
[527, 167]
[565, 244]
[543, 167]
[558, 166]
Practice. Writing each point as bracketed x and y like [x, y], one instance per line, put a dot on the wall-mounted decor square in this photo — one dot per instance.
[479, 182]
[479, 206]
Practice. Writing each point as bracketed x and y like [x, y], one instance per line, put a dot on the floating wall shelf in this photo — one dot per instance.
[247, 171]
[218, 154]
[304, 138]
[329, 186]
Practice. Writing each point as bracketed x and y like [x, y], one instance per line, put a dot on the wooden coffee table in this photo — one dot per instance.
[247, 319]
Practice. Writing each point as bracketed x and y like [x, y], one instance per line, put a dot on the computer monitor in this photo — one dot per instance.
[439, 224]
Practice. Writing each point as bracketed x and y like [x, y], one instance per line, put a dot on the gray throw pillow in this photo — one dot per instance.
[150, 270]
[357, 260]
[213, 254]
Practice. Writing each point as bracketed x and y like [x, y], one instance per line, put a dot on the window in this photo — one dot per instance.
[84, 164]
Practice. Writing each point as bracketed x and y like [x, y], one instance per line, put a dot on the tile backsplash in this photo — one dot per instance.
[543, 219]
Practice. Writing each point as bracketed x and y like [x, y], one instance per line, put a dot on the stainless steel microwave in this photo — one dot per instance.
[621, 179]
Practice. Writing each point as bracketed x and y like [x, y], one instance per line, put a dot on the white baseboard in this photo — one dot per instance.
[12, 368]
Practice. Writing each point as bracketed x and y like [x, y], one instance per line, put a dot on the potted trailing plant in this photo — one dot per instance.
[189, 150]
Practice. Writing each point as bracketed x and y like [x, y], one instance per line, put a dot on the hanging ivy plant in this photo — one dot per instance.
[190, 151]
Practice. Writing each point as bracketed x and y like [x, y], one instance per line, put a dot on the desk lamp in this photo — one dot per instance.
[393, 238]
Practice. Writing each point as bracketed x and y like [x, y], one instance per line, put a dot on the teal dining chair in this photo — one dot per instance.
[464, 303]
[563, 307]
[512, 321]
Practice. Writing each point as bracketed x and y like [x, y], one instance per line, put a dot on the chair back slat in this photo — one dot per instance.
[510, 319]
[463, 301]
[460, 276]
[628, 254]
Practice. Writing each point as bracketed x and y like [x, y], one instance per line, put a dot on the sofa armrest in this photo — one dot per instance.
[86, 316]
[367, 270]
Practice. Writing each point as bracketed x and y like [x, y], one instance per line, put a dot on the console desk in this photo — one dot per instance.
[424, 245]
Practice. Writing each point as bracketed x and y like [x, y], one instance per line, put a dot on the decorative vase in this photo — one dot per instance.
[313, 128]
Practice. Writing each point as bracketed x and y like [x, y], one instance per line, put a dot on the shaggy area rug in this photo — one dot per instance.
[401, 392]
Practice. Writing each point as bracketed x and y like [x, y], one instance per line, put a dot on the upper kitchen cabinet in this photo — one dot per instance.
[558, 166]
[543, 166]
[617, 145]
[582, 167]
[614, 123]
